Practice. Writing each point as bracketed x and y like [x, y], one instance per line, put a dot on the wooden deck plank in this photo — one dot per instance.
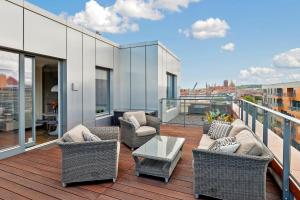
[36, 175]
[8, 195]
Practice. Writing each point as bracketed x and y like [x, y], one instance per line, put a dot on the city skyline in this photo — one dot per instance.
[247, 42]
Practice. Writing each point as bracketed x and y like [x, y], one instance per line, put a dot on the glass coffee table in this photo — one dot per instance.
[159, 156]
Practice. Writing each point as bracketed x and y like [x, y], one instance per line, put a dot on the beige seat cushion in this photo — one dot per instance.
[139, 115]
[205, 142]
[237, 122]
[249, 144]
[236, 129]
[75, 134]
[145, 130]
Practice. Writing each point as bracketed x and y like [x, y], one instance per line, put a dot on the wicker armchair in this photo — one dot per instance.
[90, 161]
[230, 176]
[129, 135]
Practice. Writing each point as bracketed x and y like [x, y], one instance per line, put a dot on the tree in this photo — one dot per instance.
[249, 98]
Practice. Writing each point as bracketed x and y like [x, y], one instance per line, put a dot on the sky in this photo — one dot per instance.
[249, 42]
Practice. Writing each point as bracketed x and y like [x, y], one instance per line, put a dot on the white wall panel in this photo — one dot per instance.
[152, 78]
[74, 76]
[104, 54]
[88, 81]
[11, 21]
[44, 36]
[138, 83]
[124, 81]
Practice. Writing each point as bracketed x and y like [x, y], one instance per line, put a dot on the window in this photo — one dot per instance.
[102, 91]
[171, 90]
[171, 86]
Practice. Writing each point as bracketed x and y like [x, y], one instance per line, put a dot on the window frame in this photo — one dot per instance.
[108, 71]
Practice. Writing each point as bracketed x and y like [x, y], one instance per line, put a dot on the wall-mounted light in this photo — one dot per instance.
[75, 87]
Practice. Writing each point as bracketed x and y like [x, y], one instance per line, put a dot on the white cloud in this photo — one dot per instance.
[267, 75]
[137, 9]
[228, 47]
[209, 28]
[122, 16]
[173, 5]
[290, 58]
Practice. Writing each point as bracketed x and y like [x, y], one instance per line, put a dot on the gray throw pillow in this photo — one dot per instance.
[90, 137]
[220, 131]
[213, 124]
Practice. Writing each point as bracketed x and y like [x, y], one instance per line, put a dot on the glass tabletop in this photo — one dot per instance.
[160, 148]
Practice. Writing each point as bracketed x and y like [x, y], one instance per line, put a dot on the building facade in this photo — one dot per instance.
[285, 98]
[55, 75]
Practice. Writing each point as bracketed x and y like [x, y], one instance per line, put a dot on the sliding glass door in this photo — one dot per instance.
[9, 96]
[29, 101]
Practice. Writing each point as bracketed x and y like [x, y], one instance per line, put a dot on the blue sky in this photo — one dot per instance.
[265, 34]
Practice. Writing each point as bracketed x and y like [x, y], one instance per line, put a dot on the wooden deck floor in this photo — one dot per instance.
[36, 175]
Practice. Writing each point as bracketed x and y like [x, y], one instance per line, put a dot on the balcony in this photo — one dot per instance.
[294, 108]
[278, 95]
[277, 106]
[36, 175]
[291, 93]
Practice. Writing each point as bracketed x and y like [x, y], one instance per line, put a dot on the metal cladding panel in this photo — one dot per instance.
[124, 81]
[88, 81]
[138, 76]
[116, 80]
[104, 54]
[44, 36]
[152, 77]
[11, 20]
[74, 78]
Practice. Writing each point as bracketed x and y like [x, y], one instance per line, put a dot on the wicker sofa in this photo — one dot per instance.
[90, 161]
[133, 137]
[230, 176]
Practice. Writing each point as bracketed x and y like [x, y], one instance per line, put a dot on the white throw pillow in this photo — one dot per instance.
[228, 145]
[134, 121]
[90, 137]
[139, 115]
[75, 134]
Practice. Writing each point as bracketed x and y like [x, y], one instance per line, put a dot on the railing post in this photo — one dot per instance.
[247, 113]
[254, 113]
[286, 160]
[242, 110]
[184, 112]
[265, 127]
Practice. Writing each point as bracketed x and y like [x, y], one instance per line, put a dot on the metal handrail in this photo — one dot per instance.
[288, 120]
[274, 112]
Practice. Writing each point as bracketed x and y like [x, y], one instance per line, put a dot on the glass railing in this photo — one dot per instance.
[294, 108]
[281, 134]
[196, 110]
[279, 94]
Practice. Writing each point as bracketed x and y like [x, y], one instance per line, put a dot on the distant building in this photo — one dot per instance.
[225, 83]
[285, 98]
